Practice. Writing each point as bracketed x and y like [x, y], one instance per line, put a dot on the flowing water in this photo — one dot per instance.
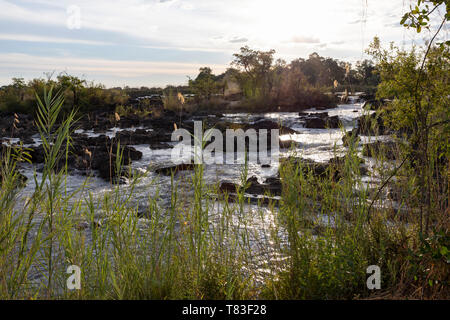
[316, 144]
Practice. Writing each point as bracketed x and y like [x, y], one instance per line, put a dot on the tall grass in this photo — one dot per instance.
[315, 242]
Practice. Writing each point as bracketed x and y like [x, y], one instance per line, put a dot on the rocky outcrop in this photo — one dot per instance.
[90, 154]
[17, 125]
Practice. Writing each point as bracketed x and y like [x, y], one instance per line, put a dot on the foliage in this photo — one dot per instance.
[302, 82]
[205, 84]
[419, 16]
[79, 95]
[256, 68]
[420, 110]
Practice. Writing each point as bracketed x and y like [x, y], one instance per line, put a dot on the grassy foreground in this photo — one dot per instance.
[316, 242]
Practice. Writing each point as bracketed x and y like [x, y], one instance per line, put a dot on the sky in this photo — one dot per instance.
[159, 42]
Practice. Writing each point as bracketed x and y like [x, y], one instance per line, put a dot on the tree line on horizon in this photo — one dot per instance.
[260, 77]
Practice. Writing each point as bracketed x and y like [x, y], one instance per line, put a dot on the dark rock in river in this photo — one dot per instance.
[349, 135]
[287, 144]
[141, 136]
[271, 186]
[228, 187]
[264, 124]
[110, 173]
[371, 125]
[322, 170]
[17, 125]
[315, 122]
[37, 154]
[269, 125]
[388, 149]
[175, 168]
[321, 115]
[322, 121]
[89, 154]
[104, 161]
[160, 145]
[323, 107]
[333, 122]
[374, 104]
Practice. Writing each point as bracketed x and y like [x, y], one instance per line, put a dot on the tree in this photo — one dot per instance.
[73, 84]
[365, 73]
[256, 66]
[333, 71]
[19, 86]
[205, 84]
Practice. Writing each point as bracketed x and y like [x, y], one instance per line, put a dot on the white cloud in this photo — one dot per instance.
[38, 38]
[304, 39]
[194, 23]
[238, 40]
[292, 27]
[121, 68]
[13, 12]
